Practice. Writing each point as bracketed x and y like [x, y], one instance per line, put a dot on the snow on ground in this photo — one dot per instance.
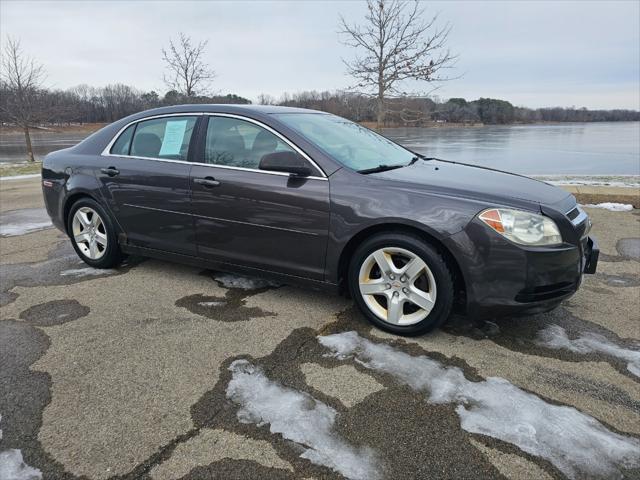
[297, 417]
[230, 280]
[212, 304]
[86, 272]
[21, 222]
[12, 466]
[20, 177]
[614, 207]
[554, 336]
[631, 181]
[575, 443]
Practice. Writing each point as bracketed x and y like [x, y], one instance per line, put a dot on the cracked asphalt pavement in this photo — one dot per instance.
[162, 371]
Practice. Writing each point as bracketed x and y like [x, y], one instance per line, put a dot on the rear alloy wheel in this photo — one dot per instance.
[92, 234]
[401, 284]
[89, 233]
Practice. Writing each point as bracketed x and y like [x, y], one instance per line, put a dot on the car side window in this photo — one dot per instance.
[123, 143]
[164, 138]
[238, 143]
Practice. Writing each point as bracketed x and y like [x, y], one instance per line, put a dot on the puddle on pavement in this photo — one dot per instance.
[622, 280]
[28, 393]
[230, 308]
[21, 222]
[629, 248]
[62, 268]
[242, 282]
[55, 312]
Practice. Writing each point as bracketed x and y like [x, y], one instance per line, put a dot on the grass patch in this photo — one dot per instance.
[11, 169]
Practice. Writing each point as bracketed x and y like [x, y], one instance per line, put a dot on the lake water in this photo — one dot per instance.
[560, 149]
[571, 149]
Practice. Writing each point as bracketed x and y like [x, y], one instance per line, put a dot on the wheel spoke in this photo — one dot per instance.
[93, 248]
[383, 259]
[373, 287]
[84, 218]
[414, 269]
[101, 238]
[394, 310]
[421, 299]
[81, 237]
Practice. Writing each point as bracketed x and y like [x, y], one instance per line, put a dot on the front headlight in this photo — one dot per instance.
[521, 227]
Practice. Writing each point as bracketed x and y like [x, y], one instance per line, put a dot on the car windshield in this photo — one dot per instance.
[350, 144]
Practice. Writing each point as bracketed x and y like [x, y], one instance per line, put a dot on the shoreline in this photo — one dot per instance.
[89, 128]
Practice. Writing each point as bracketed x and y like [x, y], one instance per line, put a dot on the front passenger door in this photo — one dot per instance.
[247, 216]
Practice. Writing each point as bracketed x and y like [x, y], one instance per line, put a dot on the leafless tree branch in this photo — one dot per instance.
[21, 78]
[187, 72]
[395, 44]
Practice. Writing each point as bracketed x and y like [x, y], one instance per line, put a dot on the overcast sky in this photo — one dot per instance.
[538, 53]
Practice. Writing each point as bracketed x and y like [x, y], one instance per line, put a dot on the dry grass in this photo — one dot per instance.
[25, 168]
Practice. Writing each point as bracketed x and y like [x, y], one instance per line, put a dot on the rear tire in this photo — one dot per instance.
[93, 235]
[401, 283]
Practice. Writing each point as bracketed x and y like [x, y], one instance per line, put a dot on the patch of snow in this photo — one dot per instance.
[12, 466]
[86, 272]
[230, 280]
[628, 181]
[21, 222]
[612, 206]
[212, 304]
[20, 177]
[13, 230]
[297, 417]
[577, 444]
[554, 336]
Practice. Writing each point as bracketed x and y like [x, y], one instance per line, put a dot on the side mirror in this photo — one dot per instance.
[287, 162]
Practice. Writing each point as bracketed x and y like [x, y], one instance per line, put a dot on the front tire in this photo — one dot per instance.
[93, 235]
[401, 283]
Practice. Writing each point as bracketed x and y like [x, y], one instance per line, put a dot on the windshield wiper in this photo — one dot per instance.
[385, 168]
[380, 168]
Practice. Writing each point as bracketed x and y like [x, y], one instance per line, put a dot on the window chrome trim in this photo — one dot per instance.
[107, 150]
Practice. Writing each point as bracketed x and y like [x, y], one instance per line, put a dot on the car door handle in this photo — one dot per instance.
[111, 171]
[207, 182]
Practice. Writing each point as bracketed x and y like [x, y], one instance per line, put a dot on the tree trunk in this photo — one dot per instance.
[381, 113]
[27, 138]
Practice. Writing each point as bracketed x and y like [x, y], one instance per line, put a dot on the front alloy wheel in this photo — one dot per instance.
[401, 283]
[397, 286]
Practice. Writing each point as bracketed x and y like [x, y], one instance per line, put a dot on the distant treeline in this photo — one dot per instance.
[421, 111]
[85, 104]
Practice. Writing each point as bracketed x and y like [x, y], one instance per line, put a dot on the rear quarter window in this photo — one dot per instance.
[123, 143]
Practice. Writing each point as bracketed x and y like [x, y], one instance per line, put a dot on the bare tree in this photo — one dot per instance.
[397, 45]
[266, 99]
[21, 79]
[188, 73]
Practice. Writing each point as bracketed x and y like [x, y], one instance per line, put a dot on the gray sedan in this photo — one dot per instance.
[311, 198]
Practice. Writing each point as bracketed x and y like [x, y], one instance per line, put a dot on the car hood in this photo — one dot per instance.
[480, 183]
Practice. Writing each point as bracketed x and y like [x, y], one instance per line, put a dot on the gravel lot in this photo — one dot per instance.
[162, 371]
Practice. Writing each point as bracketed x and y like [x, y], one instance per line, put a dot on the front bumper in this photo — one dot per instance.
[591, 254]
[502, 278]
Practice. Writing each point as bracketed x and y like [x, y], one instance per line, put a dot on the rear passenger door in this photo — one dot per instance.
[145, 179]
[251, 217]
